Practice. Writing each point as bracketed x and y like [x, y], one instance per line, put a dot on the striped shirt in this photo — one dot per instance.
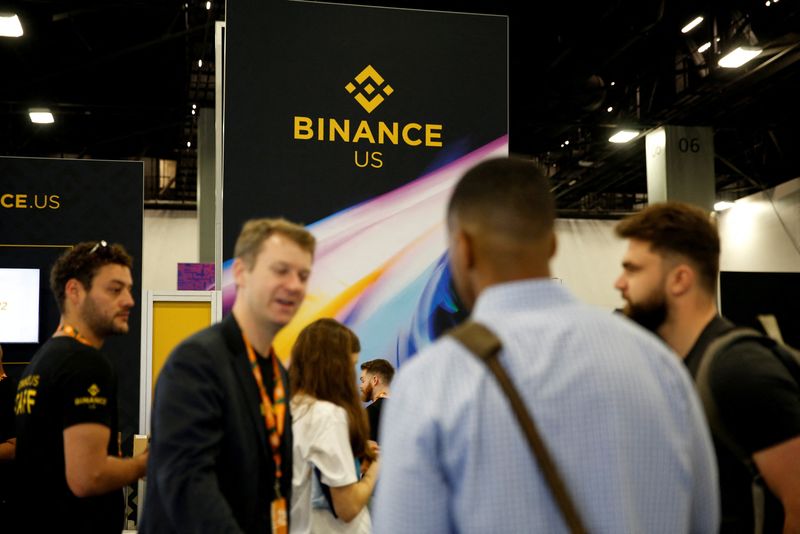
[615, 407]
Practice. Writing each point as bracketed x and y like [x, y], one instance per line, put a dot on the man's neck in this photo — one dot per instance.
[79, 326]
[685, 324]
[258, 336]
[379, 393]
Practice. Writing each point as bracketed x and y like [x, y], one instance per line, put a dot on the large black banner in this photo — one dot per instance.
[330, 105]
[47, 206]
[357, 121]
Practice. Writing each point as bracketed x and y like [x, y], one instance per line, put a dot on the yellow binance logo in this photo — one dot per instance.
[93, 390]
[364, 95]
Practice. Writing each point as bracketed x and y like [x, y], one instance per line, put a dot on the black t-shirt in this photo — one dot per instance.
[66, 383]
[374, 416]
[759, 403]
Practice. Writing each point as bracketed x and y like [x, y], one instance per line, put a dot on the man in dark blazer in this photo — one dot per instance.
[221, 441]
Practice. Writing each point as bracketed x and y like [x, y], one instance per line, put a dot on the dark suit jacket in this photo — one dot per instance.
[211, 467]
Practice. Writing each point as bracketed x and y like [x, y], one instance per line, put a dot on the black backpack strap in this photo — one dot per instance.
[481, 342]
[721, 433]
[702, 382]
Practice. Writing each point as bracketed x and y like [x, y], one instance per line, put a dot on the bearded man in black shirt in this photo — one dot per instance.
[69, 469]
[669, 283]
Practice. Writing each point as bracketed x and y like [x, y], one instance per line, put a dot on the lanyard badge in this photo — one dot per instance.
[274, 415]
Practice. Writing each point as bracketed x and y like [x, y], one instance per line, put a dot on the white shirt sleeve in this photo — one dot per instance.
[330, 450]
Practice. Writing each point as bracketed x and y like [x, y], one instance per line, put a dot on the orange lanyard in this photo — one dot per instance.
[273, 413]
[69, 330]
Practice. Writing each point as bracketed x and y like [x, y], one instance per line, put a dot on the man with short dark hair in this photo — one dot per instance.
[67, 455]
[376, 376]
[221, 445]
[669, 281]
[614, 407]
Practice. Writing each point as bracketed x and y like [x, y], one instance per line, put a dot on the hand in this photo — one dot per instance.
[373, 449]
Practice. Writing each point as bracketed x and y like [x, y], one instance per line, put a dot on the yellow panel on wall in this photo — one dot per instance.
[174, 321]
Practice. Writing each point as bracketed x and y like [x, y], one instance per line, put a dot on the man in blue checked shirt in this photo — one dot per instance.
[615, 408]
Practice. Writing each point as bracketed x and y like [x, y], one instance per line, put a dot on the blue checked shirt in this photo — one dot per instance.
[615, 407]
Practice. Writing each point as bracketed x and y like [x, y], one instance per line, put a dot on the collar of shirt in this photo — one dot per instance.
[521, 294]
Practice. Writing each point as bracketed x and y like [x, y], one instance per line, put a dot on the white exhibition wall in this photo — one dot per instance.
[169, 237]
[759, 234]
[588, 260]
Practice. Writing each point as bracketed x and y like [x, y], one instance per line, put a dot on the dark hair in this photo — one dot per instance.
[321, 367]
[382, 368]
[506, 195]
[256, 231]
[678, 228]
[82, 262]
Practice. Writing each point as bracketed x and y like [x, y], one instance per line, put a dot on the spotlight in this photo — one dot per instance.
[10, 26]
[41, 116]
[739, 57]
[692, 25]
[623, 136]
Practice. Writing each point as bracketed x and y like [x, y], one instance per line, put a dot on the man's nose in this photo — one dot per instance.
[620, 283]
[296, 282]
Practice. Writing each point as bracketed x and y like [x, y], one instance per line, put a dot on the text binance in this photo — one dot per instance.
[412, 134]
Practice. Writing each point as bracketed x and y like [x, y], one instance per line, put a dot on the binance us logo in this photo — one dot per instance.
[369, 92]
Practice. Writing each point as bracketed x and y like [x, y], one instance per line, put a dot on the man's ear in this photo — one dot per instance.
[238, 268]
[553, 244]
[681, 279]
[73, 290]
[465, 248]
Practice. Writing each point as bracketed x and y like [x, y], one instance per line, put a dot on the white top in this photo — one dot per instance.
[322, 439]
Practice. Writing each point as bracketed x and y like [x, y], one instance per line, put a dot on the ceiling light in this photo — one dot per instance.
[193, 112]
[10, 26]
[623, 136]
[704, 47]
[692, 25]
[609, 109]
[208, 6]
[613, 84]
[200, 63]
[767, 3]
[566, 142]
[722, 205]
[194, 106]
[739, 57]
[188, 144]
[41, 116]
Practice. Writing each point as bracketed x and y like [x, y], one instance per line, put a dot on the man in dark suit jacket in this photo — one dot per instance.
[221, 442]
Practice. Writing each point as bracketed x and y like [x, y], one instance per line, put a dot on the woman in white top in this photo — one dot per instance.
[330, 432]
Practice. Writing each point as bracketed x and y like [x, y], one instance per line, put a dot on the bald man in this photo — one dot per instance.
[613, 405]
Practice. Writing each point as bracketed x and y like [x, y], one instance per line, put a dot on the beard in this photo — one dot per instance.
[366, 393]
[649, 314]
[102, 325]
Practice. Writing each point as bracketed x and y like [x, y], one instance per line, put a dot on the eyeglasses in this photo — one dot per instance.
[100, 245]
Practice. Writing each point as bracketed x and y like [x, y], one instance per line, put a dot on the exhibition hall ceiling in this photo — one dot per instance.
[122, 79]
